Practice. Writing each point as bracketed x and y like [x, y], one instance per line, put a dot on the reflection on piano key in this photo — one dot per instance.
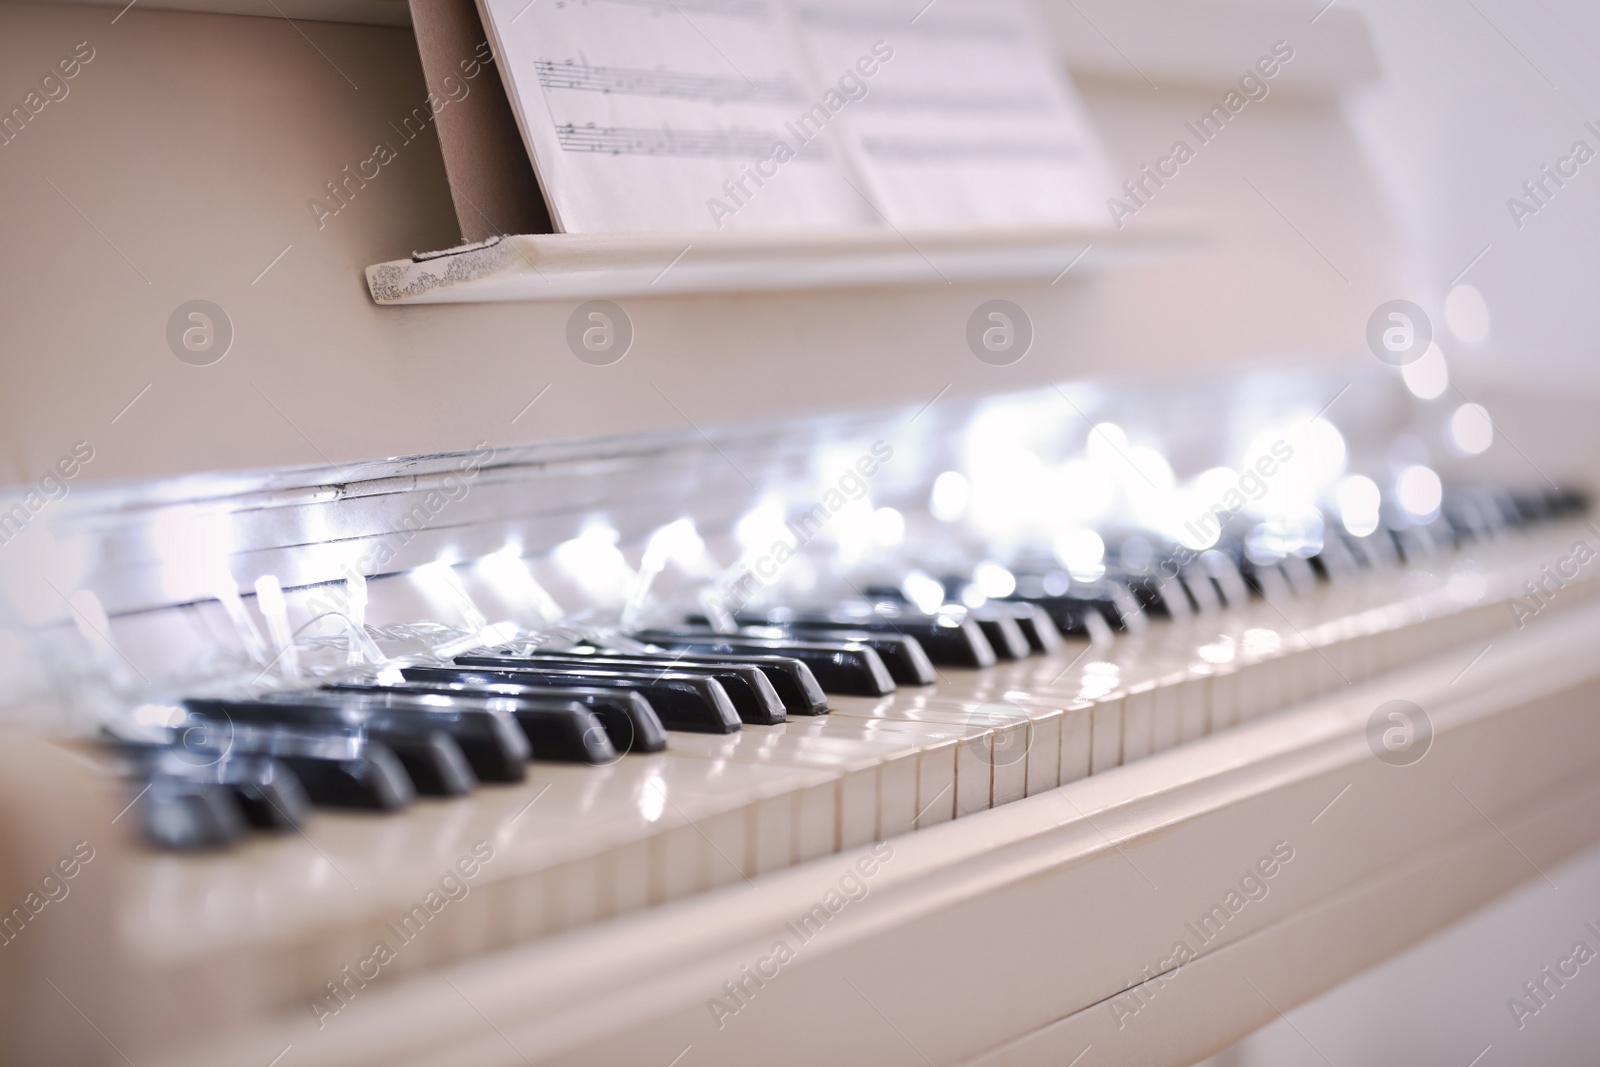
[556, 729]
[746, 686]
[839, 666]
[630, 722]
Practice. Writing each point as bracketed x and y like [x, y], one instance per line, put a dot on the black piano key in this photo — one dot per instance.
[372, 777]
[1070, 614]
[1301, 573]
[756, 702]
[795, 684]
[1464, 518]
[435, 763]
[1150, 592]
[1377, 549]
[267, 791]
[560, 730]
[1531, 505]
[1110, 601]
[1005, 636]
[1041, 632]
[689, 702]
[565, 730]
[945, 640]
[178, 812]
[998, 623]
[904, 657]
[1223, 568]
[630, 722]
[484, 727]
[339, 767]
[1333, 562]
[844, 667]
[797, 687]
[494, 746]
[1567, 502]
[1205, 592]
[901, 653]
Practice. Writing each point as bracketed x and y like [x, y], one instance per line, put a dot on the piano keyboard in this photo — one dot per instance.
[603, 831]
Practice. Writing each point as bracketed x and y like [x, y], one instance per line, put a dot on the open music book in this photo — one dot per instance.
[648, 115]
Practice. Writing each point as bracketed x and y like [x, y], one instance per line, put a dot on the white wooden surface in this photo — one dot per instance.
[563, 266]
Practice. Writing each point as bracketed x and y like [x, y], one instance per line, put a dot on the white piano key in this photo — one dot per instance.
[630, 879]
[720, 846]
[1044, 750]
[1011, 687]
[1224, 702]
[1167, 723]
[980, 760]
[607, 841]
[818, 810]
[771, 831]
[904, 751]
[1076, 729]
[1138, 720]
[935, 780]
[974, 786]
[935, 743]
[1193, 700]
[1105, 750]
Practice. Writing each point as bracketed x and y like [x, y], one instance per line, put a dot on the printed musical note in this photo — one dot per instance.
[712, 144]
[747, 9]
[653, 115]
[583, 77]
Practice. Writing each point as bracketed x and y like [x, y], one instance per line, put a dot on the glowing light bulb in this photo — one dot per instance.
[923, 590]
[593, 560]
[1471, 429]
[1359, 501]
[950, 494]
[1150, 469]
[1427, 376]
[758, 529]
[1082, 552]
[993, 580]
[677, 542]
[854, 529]
[1466, 313]
[512, 579]
[888, 527]
[1419, 491]
[1085, 491]
[1107, 443]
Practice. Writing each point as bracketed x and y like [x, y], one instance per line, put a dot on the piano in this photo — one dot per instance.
[397, 688]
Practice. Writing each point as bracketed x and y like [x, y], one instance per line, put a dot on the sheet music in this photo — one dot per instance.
[648, 115]
[973, 122]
